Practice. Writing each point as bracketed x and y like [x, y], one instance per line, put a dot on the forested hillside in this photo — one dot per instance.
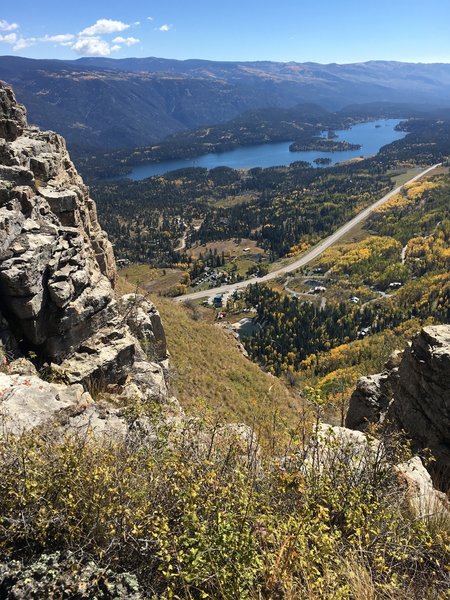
[86, 99]
[279, 207]
[379, 290]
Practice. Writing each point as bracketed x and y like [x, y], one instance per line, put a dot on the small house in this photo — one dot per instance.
[217, 301]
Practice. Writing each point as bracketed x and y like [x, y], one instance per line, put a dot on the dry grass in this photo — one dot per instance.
[211, 373]
[229, 247]
[155, 281]
[124, 287]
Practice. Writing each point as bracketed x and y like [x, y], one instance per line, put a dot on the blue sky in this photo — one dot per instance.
[322, 31]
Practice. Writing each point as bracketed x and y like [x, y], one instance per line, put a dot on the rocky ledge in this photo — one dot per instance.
[57, 277]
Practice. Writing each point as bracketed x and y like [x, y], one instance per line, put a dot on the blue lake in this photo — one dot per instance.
[371, 136]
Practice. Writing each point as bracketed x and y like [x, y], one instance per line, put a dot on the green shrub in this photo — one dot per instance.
[201, 514]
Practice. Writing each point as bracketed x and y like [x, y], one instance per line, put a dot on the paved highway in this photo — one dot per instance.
[309, 256]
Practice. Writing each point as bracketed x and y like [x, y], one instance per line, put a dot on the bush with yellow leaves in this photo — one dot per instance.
[202, 515]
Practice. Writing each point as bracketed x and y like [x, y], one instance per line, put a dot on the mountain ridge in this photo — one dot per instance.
[87, 99]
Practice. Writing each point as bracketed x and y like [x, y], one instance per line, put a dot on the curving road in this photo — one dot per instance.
[309, 256]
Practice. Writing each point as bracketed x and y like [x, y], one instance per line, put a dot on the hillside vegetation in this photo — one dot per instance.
[209, 374]
[199, 513]
[400, 271]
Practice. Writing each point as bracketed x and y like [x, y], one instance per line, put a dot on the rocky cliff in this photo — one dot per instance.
[57, 276]
[412, 395]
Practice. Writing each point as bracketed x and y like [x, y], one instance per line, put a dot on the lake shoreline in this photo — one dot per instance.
[369, 137]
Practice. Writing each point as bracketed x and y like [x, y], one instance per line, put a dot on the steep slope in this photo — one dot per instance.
[210, 372]
[86, 100]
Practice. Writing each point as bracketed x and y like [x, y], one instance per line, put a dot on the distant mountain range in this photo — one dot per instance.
[103, 103]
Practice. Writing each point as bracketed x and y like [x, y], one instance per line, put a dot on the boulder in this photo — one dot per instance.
[425, 501]
[370, 399]
[412, 396]
[421, 405]
[26, 401]
[332, 444]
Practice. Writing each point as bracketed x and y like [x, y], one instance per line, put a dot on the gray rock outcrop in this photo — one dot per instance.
[421, 405]
[57, 276]
[372, 396]
[13, 120]
[144, 320]
[412, 395]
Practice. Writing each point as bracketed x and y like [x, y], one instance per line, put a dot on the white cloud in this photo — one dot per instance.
[129, 41]
[104, 26]
[91, 46]
[165, 27]
[89, 42]
[9, 38]
[58, 39]
[5, 26]
[22, 43]
[150, 18]
[17, 43]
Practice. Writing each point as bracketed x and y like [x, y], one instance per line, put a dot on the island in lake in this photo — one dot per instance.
[322, 145]
[322, 161]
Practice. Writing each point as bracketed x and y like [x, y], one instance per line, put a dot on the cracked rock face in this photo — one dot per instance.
[412, 395]
[144, 321]
[57, 269]
[421, 405]
[13, 115]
